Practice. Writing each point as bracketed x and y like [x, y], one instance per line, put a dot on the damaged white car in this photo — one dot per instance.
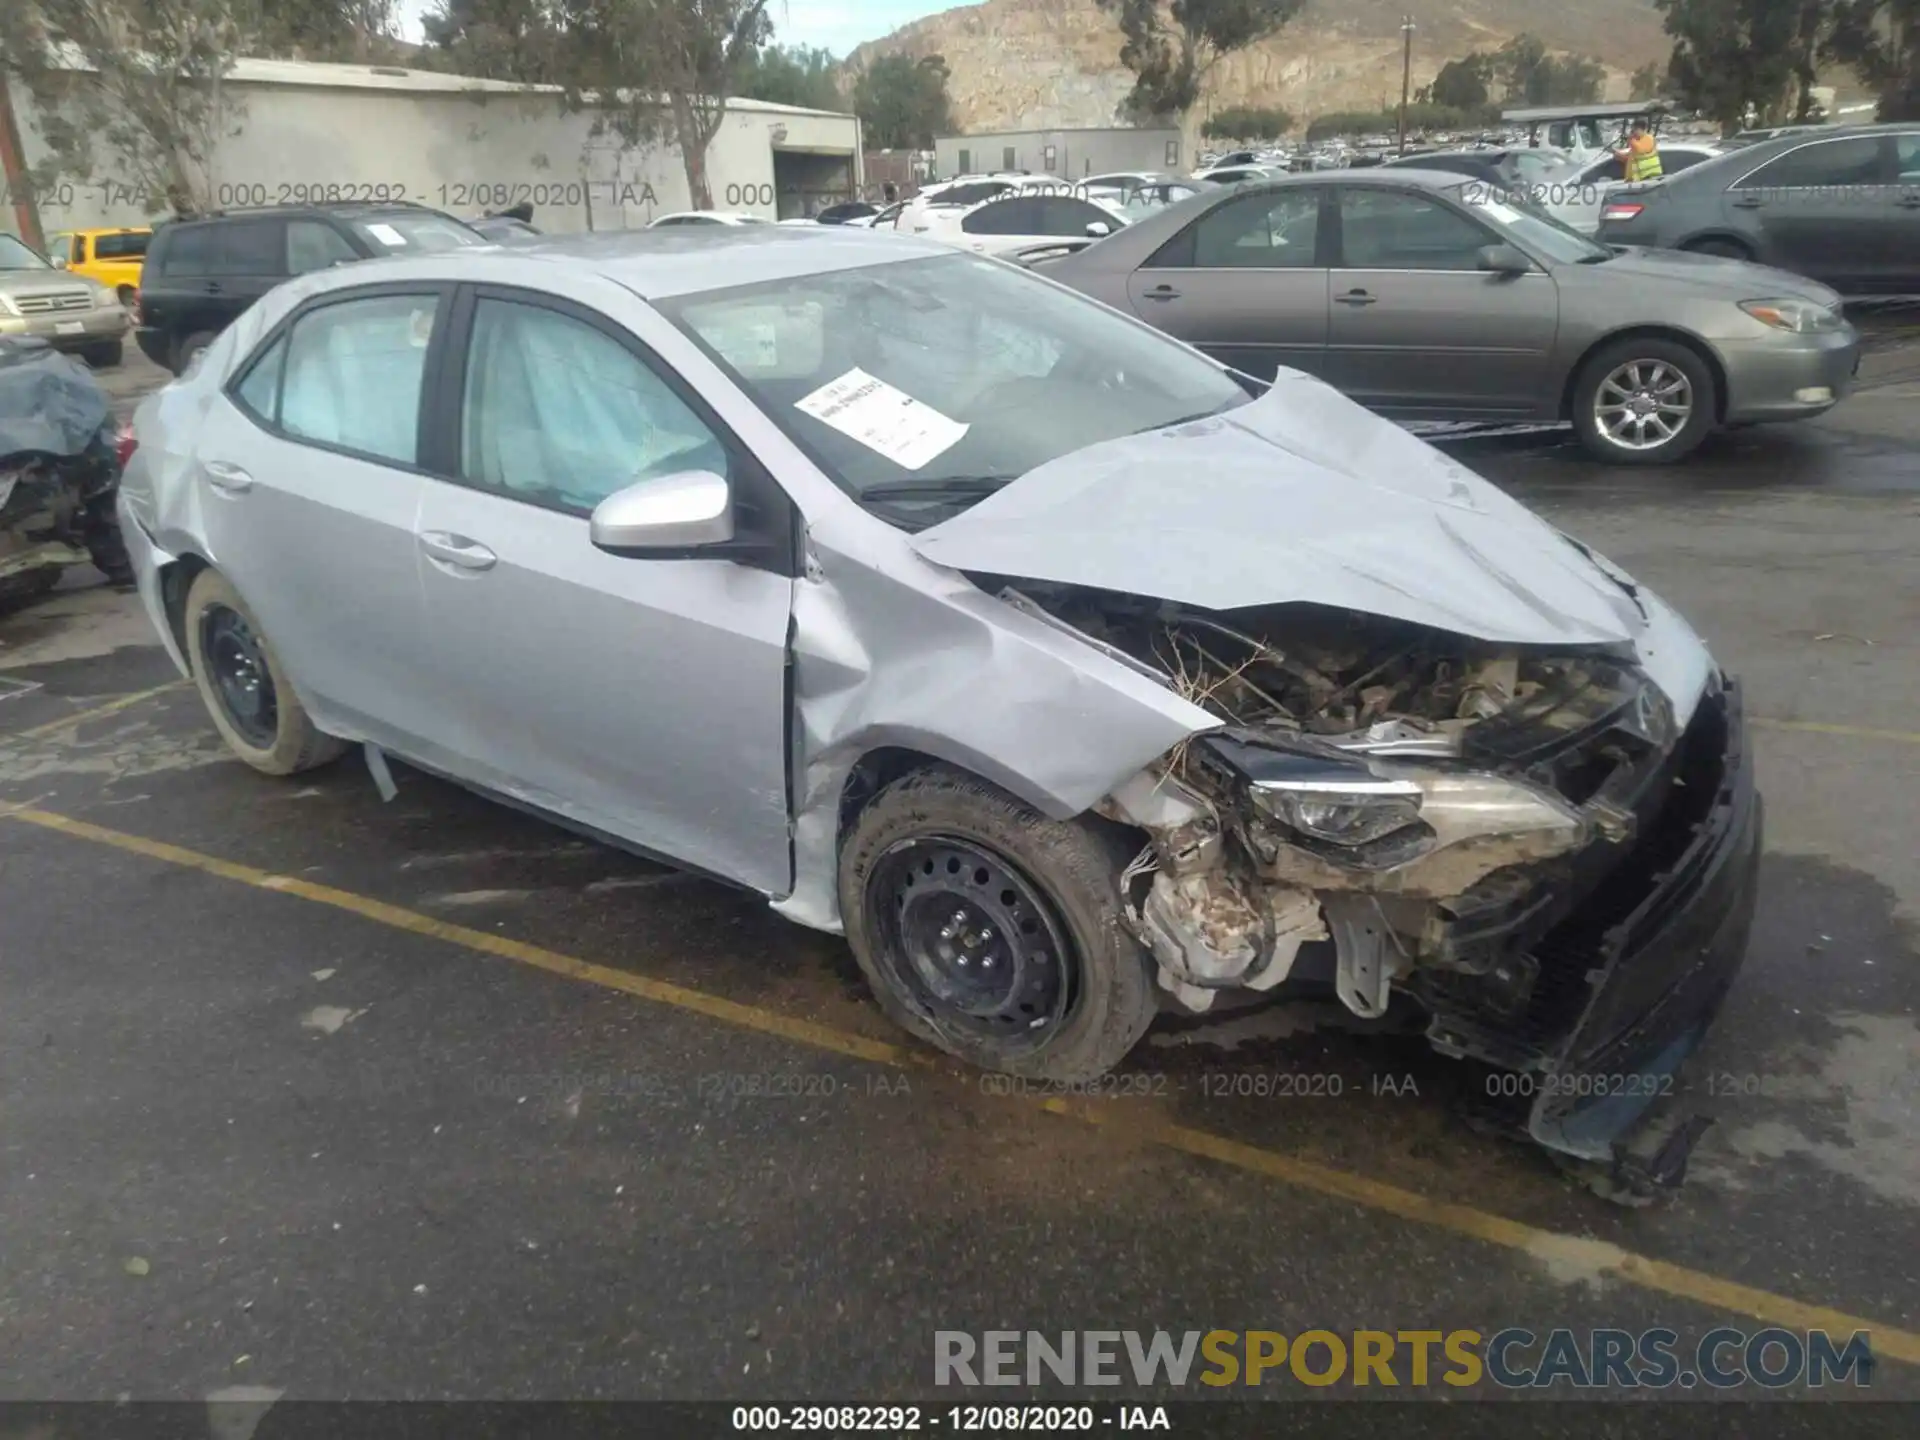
[1074, 676]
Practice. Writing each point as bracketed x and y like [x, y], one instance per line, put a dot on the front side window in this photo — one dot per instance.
[1906, 153]
[944, 371]
[559, 413]
[1392, 230]
[121, 247]
[1854, 161]
[353, 375]
[249, 247]
[315, 245]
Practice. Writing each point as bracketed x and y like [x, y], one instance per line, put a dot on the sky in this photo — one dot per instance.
[836, 25]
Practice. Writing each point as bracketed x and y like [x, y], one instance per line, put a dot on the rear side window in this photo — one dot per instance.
[1062, 215]
[187, 250]
[259, 390]
[238, 247]
[1853, 161]
[352, 375]
[120, 247]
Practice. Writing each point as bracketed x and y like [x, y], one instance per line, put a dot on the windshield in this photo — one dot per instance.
[16, 256]
[419, 233]
[1531, 227]
[946, 372]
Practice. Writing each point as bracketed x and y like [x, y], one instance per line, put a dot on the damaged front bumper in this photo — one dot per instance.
[1639, 971]
[1578, 947]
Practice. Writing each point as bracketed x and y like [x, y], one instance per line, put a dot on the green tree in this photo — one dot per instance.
[1880, 39]
[1532, 76]
[531, 41]
[1172, 49]
[634, 54]
[1463, 83]
[792, 75]
[147, 108]
[902, 102]
[1732, 56]
[1648, 81]
[1247, 122]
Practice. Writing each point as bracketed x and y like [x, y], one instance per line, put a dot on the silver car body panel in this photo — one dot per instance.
[747, 700]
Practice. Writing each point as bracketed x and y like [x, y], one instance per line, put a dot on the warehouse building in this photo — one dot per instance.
[1070, 154]
[303, 131]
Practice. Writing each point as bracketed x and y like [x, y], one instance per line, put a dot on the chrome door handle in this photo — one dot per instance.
[1354, 297]
[457, 550]
[1161, 292]
[230, 478]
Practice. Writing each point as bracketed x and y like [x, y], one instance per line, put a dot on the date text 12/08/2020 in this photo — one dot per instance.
[455, 195]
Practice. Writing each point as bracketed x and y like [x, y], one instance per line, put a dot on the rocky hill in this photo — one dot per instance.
[1019, 64]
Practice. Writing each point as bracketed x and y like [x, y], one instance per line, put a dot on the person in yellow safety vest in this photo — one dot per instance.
[1641, 159]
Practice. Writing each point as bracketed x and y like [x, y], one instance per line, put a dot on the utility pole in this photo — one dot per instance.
[13, 167]
[1406, 79]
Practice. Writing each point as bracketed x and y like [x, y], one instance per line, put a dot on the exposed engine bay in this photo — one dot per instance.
[1387, 807]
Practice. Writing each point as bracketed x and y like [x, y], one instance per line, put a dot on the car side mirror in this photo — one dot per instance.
[1099, 229]
[662, 517]
[1504, 260]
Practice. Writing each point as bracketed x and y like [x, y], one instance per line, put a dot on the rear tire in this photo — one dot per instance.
[190, 347]
[1029, 971]
[1664, 378]
[233, 662]
[1725, 249]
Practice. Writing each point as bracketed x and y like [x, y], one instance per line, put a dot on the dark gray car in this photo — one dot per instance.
[1838, 204]
[1426, 295]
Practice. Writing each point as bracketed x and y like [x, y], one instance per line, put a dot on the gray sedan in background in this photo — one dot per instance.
[1839, 204]
[1432, 296]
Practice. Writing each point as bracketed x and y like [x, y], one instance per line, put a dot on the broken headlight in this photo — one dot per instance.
[1344, 813]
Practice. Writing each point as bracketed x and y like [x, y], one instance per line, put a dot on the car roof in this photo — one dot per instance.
[663, 264]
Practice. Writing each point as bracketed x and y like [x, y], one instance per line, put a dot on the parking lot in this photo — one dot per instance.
[423, 1098]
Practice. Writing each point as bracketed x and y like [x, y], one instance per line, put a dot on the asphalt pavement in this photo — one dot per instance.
[348, 1099]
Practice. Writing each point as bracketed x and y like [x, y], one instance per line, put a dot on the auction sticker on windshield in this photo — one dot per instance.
[386, 234]
[887, 421]
[1499, 211]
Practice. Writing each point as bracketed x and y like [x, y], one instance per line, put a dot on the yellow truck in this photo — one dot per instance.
[113, 257]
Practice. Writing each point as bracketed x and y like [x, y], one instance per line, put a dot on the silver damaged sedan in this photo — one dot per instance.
[1071, 675]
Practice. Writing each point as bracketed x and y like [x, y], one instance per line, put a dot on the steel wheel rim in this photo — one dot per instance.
[1643, 404]
[973, 941]
[237, 666]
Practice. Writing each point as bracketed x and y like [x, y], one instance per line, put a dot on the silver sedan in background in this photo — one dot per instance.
[1433, 296]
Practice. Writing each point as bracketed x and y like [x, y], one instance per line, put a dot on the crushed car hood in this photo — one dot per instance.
[1299, 496]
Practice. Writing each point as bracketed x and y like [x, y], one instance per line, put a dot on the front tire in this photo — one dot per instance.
[105, 356]
[994, 933]
[243, 686]
[1644, 402]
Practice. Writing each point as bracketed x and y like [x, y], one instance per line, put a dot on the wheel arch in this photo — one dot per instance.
[1723, 236]
[1669, 333]
[176, 579]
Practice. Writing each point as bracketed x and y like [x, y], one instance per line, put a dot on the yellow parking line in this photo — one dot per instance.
[1851, 732]
[98, 712]
[1656, 1275]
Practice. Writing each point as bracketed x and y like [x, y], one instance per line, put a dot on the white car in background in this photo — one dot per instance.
[1020, 220]
[1574, 196]
[1237, 174]
[1138, 192]
[707, 217]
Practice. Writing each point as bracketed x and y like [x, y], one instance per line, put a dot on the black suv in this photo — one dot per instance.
[201, 273]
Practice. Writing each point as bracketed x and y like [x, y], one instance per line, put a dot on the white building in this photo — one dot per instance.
[306, 131]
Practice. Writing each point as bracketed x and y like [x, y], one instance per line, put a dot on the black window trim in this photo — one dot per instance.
[1884, 150]
[441, 291]
[775, 547]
